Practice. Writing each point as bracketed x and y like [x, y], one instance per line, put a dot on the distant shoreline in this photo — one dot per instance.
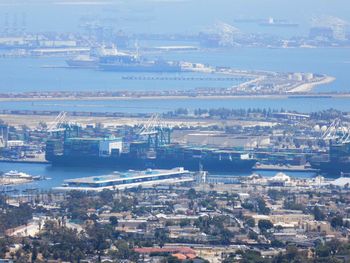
[308, 87]
[263, 96]
[24, 161]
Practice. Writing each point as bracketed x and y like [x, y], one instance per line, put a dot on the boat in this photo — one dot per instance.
[151, 150]
[127, 161]
[98, 152]
[332, 167]
[83, 61]
[16, 174]
[337, 162]
[140, 66]
[114, 60]
[111, 59]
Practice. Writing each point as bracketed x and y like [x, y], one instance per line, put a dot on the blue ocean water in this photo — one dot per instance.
[41, 74]
[330, 61]
[38, 74]
[52, 74]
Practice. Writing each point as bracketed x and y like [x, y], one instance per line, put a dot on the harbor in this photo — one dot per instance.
[147, 145]
[66, 80]
[128, 135]
[194, 140]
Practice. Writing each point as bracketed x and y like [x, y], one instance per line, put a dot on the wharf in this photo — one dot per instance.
[294, 168]
[29, 161]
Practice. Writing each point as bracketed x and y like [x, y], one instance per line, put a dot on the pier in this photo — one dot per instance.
[294, 168]
[184, 78]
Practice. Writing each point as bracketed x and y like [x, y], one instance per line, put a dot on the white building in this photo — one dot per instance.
[280, 179]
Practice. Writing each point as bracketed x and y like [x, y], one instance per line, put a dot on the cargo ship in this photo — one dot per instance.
[336, 162]
[111, 59]
[111, 153]
[140, 66]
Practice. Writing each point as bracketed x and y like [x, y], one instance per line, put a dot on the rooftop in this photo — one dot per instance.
[118, 176]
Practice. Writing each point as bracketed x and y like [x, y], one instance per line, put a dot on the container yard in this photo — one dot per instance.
[213, 140]
[152, 148]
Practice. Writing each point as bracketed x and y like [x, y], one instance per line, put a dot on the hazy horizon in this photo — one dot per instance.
[173, 16]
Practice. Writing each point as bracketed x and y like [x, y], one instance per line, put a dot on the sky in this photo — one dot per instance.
[174, 16]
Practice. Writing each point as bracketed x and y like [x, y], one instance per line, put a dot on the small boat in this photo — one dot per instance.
[16, 174]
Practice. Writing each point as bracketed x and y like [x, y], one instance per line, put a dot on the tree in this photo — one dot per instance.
[123, 249]
[318, 214]
[334, 246]
[337, 221]
[172, 259]
[291, 252]
[275, 194]
[3, 247]
[106, 196]
[248, 205]
[323, 251]
[185, 222]
[262, 208]
[34, 254]
[253, 235]
[250, 221]
[292, 205]
[161, 236]
[277, 243]
[191, 194]
[113, 220]
[169, 223]
[265, 224]
[251, 256]
[142, 226]
[225, 236]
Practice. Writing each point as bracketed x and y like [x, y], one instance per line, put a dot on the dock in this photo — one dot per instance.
[296, 168]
